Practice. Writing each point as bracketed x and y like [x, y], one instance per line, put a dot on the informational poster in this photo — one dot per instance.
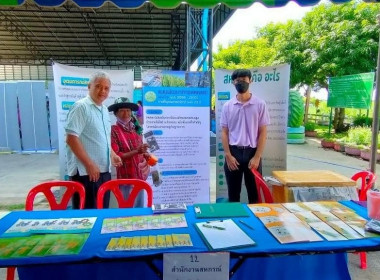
[351, 91]
[272, 85]
[71, 85]
[177, 112]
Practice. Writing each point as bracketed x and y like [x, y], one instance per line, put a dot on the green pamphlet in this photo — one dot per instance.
[220, 210]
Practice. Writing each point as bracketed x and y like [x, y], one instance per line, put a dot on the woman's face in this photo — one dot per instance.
[124, 114]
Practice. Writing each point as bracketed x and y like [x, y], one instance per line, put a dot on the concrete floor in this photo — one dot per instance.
[19, 172]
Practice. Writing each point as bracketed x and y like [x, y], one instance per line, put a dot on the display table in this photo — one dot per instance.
[313, 185]
[312, 260]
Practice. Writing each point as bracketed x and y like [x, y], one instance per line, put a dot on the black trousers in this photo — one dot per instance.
[91, 190]
[234, 177]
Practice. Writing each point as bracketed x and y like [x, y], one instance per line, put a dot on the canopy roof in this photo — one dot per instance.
[109, 36]
[168, 4]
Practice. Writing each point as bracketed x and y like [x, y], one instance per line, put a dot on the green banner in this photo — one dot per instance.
[352, 91]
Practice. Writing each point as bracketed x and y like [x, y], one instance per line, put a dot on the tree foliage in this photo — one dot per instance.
[245, 54]
[331, 40]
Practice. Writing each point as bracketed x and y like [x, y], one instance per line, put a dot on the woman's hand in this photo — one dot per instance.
[142, 148]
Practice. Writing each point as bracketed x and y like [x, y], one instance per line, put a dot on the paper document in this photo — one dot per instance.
[223, 234]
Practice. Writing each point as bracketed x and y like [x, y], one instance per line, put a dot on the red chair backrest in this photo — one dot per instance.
[367, 180]
[261, 186]
[46, 188]
[114, 186]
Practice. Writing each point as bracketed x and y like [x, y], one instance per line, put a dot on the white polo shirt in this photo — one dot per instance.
[92, 124]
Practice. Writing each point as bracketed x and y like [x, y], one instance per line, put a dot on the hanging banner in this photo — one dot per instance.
[272, 85]
[177, 110]
[70, 84]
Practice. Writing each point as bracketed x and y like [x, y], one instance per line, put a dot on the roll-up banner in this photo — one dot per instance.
[70, 84]
[272, 85]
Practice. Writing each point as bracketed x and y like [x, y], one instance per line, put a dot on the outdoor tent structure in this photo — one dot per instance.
[161, 34]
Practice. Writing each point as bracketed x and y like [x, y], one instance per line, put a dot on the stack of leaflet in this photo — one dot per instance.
[169, 208]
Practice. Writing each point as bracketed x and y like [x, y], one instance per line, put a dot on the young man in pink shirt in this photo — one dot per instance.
[244, 121]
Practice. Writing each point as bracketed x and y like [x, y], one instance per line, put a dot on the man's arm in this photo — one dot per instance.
[232, 163]
[76, 146]
[254, 162]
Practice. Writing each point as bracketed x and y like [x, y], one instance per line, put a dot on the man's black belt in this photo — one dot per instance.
[241, 147]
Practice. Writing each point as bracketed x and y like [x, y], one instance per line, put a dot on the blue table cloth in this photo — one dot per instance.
[267, 260]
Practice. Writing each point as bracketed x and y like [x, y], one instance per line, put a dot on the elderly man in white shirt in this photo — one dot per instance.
[88, 130]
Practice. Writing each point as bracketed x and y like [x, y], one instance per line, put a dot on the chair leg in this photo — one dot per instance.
[11, 272]
[363, 260]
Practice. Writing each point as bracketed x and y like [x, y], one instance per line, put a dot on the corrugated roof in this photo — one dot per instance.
[109, 36]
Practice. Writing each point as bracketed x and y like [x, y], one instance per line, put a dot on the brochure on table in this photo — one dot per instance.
[25, 227]
[149, 242]
[124, 224]
[299, 222]
[42, 245]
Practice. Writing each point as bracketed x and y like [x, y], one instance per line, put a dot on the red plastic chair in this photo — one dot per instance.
[367, 179]
[46, 188]
[114, 186]
[262, 188]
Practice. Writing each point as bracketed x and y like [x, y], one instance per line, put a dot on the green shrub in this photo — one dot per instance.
[310, 126]
[362, 120]
[360, 135]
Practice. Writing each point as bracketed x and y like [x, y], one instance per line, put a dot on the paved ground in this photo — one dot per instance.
[18, 173]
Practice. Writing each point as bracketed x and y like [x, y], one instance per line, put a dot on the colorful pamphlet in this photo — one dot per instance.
[169, 208]
[135, 223]
[272, 208]
[296, 207]
[344, 229]
[292, 232]
[25, 227]
[286, 227]
[42, 245]
[326, 231]
[150, 242]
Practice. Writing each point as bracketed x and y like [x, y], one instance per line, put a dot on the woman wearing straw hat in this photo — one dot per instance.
[126, 141]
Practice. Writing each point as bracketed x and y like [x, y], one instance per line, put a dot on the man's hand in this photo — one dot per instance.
[93, 171]
[232, 163]
[254, 163]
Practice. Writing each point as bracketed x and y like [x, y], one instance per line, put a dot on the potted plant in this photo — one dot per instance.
[358, 138]
[365, 154]
[310, 129]
[327, 142]
[353, 149]
[339, 145]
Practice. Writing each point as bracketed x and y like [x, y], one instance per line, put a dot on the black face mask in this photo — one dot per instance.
[241, 86]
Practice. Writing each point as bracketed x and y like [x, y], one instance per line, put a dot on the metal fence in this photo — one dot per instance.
[28, 118]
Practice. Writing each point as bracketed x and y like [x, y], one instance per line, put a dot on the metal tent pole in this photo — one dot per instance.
[375, 123]
[188, 38]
